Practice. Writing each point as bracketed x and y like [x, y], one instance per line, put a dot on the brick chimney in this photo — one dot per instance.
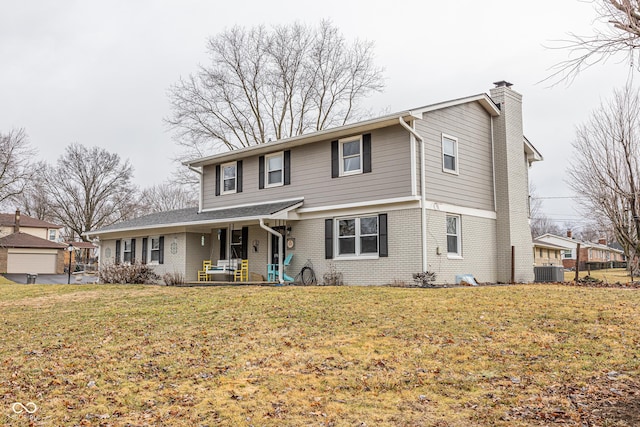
[602, 241]
[16, 226]
[569, 234]
[511, 177]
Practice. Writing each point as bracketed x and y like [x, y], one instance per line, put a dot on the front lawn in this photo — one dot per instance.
[286, 356]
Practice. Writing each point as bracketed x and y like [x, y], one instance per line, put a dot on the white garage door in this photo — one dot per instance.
[31, 263]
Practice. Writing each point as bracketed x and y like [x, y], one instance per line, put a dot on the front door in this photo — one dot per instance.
[274, 245]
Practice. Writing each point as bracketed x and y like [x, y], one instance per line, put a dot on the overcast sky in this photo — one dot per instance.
[97, 72]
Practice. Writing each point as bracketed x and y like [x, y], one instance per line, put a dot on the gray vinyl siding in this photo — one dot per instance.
[471, 125]
[311, 176]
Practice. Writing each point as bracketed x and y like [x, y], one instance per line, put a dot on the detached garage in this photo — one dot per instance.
[23, 253]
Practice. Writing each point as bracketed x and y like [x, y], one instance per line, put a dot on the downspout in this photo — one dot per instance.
[280, 248]
[493, 166]
[201, 179]
[423, 192]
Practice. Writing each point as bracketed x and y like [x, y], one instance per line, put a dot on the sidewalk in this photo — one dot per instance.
[52, 279]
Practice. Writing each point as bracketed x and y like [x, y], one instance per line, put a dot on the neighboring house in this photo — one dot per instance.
[26, 224]
[592, 255]
[442, 188]
[548, 254]
[25, 248]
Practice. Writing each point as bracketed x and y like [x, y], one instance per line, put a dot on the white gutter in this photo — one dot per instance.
[201, 180]
[423, 192]
[280, 248]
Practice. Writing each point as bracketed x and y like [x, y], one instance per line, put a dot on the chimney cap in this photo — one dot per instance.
[503, 83]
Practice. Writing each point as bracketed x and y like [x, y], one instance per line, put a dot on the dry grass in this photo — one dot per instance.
[354, 356]
[609, 275]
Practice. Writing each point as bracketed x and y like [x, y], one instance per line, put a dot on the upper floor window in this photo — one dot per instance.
[52, 235]
[449, 154]
[453, 236]
[274, 169]
[228, 178]
[350, 156]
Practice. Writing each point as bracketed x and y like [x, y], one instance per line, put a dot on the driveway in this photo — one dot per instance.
[52, 279]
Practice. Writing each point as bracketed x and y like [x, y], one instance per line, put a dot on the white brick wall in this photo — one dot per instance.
[404, 252]
[478, 237]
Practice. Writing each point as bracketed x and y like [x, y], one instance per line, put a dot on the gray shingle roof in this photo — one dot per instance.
[191, 215]
[24, 240]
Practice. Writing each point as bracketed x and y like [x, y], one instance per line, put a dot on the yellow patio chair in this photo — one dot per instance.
[202, 276]
[242, 273]
[206, 264]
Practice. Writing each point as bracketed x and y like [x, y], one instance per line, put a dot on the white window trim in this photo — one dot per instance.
[266, 170]
[457, 255]
[55, 235]
[341, 143]
[457, 158]
[357, 255]
[150, 250]
[235, 187]
[124, 250]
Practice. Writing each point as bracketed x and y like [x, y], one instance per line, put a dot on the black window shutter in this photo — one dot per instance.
[239, 176]
[118, 243]
[366, 153]
[223, 243]
[260, 172]
[161, 251]
[328, 239]
[217, 180]
[287, 167]
[245, 242]
[335, 160]
[144, 250]
[133, 251]
[383, 240]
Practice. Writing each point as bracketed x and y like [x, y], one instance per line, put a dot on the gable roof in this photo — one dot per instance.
[574, 242]
[190, 216]
[25, 240]
[543, 244]
[341, 131]
[9, 220]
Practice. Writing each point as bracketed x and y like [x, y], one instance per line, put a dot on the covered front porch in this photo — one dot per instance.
[237, 249]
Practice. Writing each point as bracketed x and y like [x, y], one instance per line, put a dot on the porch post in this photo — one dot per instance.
[280, 248]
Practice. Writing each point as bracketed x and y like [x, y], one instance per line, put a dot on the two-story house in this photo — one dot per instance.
[30, 245]
[440, 188]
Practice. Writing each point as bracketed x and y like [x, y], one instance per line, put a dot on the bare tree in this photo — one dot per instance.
[606, 169]
[167, 197]
[542, 224]
[34, 200]
[619, 34]
[263, 85]
[16, 167]
[90, 188]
